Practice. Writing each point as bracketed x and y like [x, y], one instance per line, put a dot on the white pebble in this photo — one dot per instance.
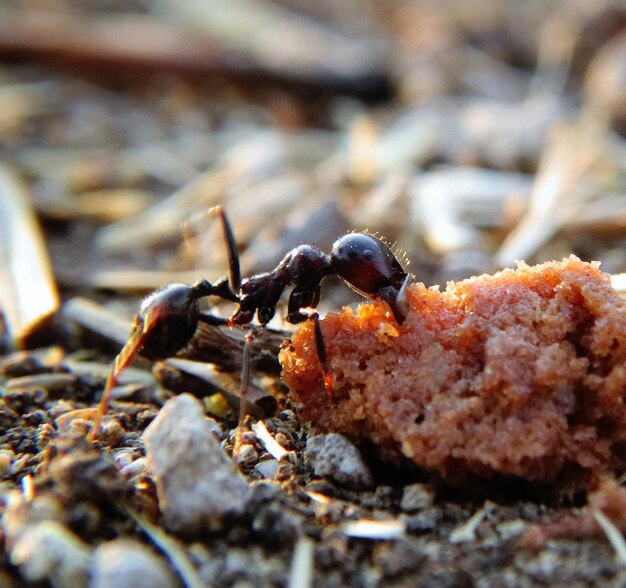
[126, 564]
[197, 484]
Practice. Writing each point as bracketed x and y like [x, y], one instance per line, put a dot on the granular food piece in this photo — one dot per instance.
[520, 374]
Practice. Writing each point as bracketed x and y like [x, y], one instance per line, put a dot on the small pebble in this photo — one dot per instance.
[286, 415]
[425, 521]
[282, 440]
[543, 566]
[267, 468]
[247, 455]
[337, 458]
[417, 497]
[18, 364]
[398, 557]
[111, 432]
[126, 564]
[285, 471]
[6, 459]
[49, 551]
[197, 485]
[18, 463]
[511, 529]
[123, 458]
[247, 437]
[262, 492]
[134, 468]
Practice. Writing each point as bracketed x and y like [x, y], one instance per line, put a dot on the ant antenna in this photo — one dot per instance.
[233, 254]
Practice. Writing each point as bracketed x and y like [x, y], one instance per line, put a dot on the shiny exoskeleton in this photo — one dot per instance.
[169, 317]
[364, 262]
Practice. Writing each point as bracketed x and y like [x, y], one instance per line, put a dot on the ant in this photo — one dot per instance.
[168, 318]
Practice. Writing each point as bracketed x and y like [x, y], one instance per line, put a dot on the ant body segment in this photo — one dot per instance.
[168, 318]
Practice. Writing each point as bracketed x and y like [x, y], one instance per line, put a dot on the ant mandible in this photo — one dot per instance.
[168, 318]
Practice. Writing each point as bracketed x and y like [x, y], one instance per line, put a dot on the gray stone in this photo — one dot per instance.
[50, 551]
[247, 455]
[417, 497]
[335, 457]
[267, 468]
[126, 564]
[197, 484]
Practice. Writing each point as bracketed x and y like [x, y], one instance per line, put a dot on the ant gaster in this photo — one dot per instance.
[168, 318]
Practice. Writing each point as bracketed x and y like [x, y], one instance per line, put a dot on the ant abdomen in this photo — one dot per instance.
[169, 318]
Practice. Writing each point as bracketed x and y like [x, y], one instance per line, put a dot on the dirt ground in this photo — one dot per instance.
[470, 134]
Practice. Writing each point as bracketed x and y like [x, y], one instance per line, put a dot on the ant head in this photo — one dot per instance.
[168, 318]
[367, 264]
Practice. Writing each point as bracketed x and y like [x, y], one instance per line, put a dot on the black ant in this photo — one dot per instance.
[168, 318]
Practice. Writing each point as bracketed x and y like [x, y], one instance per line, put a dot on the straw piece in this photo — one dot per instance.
[613, 534]
[267, 440]
[467, 531]
[28, 293]
[97, 319]
[565, 180]
[301, 572]
[172, 549]
[374, 529]
[148, 43]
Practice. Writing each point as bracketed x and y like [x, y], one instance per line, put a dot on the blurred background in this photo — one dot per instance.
[471, 133]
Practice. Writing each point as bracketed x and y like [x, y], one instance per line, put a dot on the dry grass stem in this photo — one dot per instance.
[97, 318]
[301, 572]
[374, 529]
[172, 549]
[613, 535]
[28, 293]
[273, 447]
[564, 181]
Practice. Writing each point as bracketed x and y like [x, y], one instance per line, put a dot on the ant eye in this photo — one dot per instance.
[368, 255]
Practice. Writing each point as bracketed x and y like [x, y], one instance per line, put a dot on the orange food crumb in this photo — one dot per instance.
[386, 330]
[522, 373]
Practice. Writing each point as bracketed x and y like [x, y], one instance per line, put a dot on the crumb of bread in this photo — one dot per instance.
[521, 373]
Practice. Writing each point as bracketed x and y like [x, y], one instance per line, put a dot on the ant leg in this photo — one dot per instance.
[320, 347]
[243, 390]
[211, 319]
[301, 307]
[124, 358]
